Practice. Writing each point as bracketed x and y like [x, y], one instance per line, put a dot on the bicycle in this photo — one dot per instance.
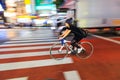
[61, 50]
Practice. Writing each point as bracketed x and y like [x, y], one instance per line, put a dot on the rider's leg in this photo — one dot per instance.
[74, 43]
[79, 48]
[75, 46]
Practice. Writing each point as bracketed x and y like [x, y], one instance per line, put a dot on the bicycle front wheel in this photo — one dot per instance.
[86, 51]
[58, 52]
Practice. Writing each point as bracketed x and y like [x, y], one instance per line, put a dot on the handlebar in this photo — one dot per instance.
[63, 41]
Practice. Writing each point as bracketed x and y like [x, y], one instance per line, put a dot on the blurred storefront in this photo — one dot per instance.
[22, 10]
[14, 9]
[10, 12]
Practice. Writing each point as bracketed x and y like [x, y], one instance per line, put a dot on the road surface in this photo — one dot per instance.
[27, 57]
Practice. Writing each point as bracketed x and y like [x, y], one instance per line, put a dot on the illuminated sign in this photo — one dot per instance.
[27, 1]
[39, 2]
[46, 7]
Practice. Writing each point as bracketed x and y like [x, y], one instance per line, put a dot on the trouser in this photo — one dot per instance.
[75, 40]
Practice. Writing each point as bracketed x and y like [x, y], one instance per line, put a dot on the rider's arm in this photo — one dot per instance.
[66, 32]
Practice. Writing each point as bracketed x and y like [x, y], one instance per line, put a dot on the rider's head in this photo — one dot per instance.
[69, 22]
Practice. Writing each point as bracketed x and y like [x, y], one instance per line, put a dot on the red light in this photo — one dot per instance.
[117, 29]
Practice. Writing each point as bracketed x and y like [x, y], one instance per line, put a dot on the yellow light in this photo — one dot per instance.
[27, 1]
[25, 16]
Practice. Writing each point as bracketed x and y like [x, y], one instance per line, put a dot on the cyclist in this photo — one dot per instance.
[71, 32]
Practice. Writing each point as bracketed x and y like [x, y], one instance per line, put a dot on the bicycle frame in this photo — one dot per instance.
[66, 48]
[65, 42]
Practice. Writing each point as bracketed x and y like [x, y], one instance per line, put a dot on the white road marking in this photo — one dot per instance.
[29, 38]
[25, 48]
[24, 44]
[71, 75]
[29, 41]
[34, 63]
[108, 39]
[21, 78]
[26, 54]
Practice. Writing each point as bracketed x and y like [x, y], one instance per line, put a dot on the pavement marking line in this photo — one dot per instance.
[26, 54]
[21, 78]
[33, 64]
[30, 38]
[9, 42]
[71, 75]
[24, 44]
[27, 48]
[108, 39]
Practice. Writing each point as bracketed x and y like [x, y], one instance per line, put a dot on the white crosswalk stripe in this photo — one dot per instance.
[22, 78]
[25, 48]
[34, 63]
[26, 54]
[40, 40]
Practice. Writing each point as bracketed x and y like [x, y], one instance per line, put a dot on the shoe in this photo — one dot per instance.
[79, 50]
[72, 52]
[69, 52]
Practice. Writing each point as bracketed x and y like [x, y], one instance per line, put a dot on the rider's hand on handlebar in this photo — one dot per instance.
[60, 37]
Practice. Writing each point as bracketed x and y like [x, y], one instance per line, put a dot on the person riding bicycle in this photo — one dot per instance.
[72, 33]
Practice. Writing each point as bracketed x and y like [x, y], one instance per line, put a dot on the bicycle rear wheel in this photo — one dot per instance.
[87, 50]
[56, 54]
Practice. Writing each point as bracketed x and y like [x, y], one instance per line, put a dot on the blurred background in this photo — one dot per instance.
[90, 14]
[95, 16]
[28, 28]
[30, 12]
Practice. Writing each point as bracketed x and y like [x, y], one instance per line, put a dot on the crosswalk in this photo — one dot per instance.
[23, 54]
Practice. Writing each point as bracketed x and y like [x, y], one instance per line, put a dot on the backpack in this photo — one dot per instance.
[83, 32]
